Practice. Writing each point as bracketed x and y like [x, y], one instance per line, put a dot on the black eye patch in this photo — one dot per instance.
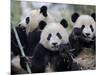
[49, 36]
[58, 34]
[91, 28]
[27, 20]
[83, 26]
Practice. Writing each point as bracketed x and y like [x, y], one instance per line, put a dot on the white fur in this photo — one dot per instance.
[53, 28]
[87, 21]
[49, 68]
[23, 23]
[16, 62]
[35, 17]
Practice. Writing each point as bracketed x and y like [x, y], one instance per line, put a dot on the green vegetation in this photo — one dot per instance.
[65, 10]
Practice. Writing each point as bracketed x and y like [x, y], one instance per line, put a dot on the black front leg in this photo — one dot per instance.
[61, 62]
[38, 61]
[24, 60]
[74, 40]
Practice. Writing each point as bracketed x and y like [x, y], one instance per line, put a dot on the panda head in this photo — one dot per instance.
[86, 23]
[35, 16]
[54, 34]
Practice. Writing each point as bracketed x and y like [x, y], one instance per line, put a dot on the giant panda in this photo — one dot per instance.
[47, 56]
[83, 32]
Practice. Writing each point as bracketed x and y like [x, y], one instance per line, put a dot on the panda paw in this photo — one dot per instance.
[77, 32]
[65, 49]
[26, 59]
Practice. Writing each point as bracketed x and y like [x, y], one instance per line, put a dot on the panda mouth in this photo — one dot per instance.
[86, 36]
[55, 47]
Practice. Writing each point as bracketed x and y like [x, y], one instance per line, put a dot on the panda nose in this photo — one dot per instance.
[54, 44]
[87, 34]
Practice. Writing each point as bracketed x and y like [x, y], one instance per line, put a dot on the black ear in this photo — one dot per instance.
[94, 16]
[74, 17]
[42, 24]
[43, 10]
[27, 20]
[64, 23]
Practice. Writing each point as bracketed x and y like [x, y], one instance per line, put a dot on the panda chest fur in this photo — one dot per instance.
[51, 59]
[49, 68]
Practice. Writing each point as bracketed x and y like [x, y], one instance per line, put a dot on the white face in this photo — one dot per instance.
[36, 17]
[53, 35]
[88, 25]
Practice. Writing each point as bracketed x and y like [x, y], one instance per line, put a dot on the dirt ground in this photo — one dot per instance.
[87, 59]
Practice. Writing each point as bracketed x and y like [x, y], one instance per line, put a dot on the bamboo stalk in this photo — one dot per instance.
[21, 48]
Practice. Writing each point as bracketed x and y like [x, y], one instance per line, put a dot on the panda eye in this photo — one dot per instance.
[58, 34]
[82, 26]
[49, 36]
[91, 28]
